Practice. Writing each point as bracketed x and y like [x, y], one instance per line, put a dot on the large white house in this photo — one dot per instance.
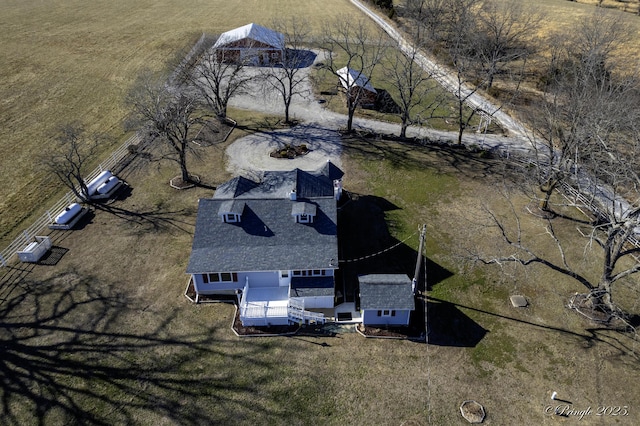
[273, 242]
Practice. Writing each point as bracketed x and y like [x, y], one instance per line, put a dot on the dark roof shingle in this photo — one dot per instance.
[267, 238]
[386, 291]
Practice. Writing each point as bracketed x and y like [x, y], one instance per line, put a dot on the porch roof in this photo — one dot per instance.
[311, 286]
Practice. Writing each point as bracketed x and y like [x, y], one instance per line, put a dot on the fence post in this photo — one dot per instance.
[49, 215]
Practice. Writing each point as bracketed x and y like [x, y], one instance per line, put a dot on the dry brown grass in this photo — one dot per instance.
[109, 327]
[69, 61]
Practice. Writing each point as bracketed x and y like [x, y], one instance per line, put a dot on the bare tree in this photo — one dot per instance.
[69, 157]
[171, 114]
[352, 44]
[609, 163]
[463, 54]
[579, 100]
[505, 33]
[414, 86]
[591, 146]
[287, 78]
[614, 200]
[219, 80]
[431, 16]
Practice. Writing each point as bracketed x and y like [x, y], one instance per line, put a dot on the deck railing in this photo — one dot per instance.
[297, 313]
[41, 223]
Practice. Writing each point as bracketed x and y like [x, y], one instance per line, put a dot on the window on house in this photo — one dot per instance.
[231, 218]
[310, 273]
[220, 277]
[393, 313]
[379, 313]
[386, 313]
[304, 218]
[284, 274]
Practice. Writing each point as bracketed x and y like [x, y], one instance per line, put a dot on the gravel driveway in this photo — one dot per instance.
[319, 131]
[251, 153]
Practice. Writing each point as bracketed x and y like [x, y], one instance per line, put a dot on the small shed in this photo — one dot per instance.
[250, 44]
[386, 299]
[358, 87]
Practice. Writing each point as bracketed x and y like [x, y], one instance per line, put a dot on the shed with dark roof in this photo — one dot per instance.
[386, 299]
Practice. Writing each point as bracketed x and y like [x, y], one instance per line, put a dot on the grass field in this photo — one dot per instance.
[106, 336]
[66, 60]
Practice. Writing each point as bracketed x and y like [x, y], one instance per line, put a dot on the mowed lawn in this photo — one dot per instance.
[73, 61]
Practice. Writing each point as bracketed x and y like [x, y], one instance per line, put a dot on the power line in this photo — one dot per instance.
[379, 252]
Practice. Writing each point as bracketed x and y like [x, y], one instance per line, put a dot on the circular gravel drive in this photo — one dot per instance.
[251, 153]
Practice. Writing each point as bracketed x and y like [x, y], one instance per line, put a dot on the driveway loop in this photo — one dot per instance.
[250, 154]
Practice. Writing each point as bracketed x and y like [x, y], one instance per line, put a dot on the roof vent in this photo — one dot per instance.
[292, 195]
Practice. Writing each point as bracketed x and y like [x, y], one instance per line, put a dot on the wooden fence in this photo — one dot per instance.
[47, 218]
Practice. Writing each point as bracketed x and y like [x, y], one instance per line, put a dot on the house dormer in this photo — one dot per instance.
[231, 211]
[303, 212]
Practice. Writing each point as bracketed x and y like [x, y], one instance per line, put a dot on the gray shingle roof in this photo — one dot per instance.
[300, 207]
[231, 206]
[386, 291]
[350, 78]
[235, 187]
[311, 286]
[278, 184]
[266, 239]
[331, 171]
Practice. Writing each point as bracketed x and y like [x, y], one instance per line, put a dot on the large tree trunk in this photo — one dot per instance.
[287, 103]
[351, 110]
[403, 129]
[461, 125]
[601, 297]
[546, 189]
[183, 166]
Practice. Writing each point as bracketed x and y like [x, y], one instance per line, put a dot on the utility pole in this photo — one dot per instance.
[416, 274]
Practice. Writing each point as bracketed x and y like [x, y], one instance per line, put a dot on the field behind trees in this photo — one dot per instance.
[68, 60]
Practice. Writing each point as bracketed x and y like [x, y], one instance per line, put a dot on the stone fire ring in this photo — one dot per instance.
[472, 411]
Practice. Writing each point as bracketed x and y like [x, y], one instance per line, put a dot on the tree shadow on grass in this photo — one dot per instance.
[449, 326]
[156, 220]
[367, 247]
[67, 357]
[442, 312]
[441, 157]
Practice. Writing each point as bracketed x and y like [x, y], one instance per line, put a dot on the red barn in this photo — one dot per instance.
[251, 44]
[358, 86]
